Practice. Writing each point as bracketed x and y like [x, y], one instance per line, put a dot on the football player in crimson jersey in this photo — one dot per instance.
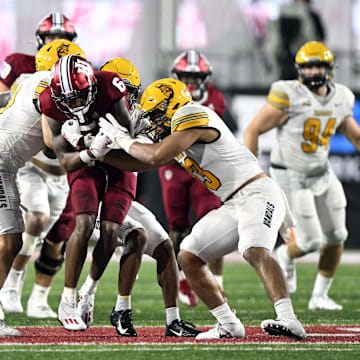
[52, 27]
[181, 191]
[77, 92]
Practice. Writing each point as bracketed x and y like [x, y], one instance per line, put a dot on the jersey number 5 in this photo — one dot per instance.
[312, 133]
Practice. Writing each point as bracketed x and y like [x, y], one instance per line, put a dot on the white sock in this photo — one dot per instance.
[181, 275]
[284, 309]
[69, 294]
[89, 286]
[123, 303]
[13, 280]
[172, 314]
[40, 293]
[322, 285]
[219, 280]
[223, 314]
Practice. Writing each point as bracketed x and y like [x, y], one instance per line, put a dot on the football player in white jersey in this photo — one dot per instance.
[254, 208]
[21, 139]
[306, 112]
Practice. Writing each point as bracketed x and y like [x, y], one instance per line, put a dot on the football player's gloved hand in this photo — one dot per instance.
[70, 131]
[138, 118]
[100, 145]
[118, 134]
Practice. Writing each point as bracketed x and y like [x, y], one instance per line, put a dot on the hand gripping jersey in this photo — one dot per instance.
[20, 122]
[303, 141]
[15, 65]
[222, 165]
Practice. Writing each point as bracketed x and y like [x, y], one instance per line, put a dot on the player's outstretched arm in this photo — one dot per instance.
[267, 118]
[351, 130]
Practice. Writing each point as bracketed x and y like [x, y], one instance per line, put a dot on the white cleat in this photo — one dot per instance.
[223, 331]
[289, 327]
[288, 266]
[69, 316]
[39, 310]
[323, 303]
[86, 308]
[10, 300]
[7, 331]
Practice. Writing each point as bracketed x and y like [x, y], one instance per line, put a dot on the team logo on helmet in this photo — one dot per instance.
[63, 49]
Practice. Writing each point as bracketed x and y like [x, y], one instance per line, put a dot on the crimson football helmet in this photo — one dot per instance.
[192, 68]
[55, 24]
[73, 85]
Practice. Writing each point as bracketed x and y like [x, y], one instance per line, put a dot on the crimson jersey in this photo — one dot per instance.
[214, 100]
[14, 65]
[180, 190]
[108, 92]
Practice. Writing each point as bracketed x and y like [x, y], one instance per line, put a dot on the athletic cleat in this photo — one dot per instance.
[288, 266]
[323, 303]
[39, 310]
[69, 316]
[7, 331]
[86, 308]
[10, 300]
[123, 322]
[186, 295]
[223, 331]
[179, 328]
[289, 327]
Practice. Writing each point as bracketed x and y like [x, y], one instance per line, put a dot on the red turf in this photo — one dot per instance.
[340, 334]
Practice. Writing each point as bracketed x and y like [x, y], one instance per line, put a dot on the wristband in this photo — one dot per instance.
[85, 157]
[124, 143]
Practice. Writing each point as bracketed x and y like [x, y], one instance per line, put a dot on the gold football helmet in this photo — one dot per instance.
[128, 72]
[50, 53]
[160, 101]
[314, 53]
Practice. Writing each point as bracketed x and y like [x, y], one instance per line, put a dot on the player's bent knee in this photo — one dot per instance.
[309, 244]
[29, 244]
[51, 258]
[337, 237]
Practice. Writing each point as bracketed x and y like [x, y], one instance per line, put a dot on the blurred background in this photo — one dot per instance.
[249, 44]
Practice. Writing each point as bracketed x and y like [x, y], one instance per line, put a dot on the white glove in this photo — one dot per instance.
[117, 133]
[100, 145]
[138, 119]
[70, 131]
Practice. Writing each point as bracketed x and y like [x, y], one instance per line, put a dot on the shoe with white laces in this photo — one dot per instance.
[86, 308]
[323, 303]
[7, 331]
[186, 295]
[284, 327]
[69, 316]
[288, 266]
[223, 331]
[10, 300]
[39, 310]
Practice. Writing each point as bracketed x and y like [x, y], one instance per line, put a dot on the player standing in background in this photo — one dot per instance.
[43, 190]
[253, 211]
[79, 94]
[21, 128]
[306, 113]
[139, 222]
[180, 190]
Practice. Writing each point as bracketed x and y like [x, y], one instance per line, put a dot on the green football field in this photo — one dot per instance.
[246, 295]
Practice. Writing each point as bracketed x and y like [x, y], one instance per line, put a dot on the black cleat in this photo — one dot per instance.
[179, 328]
[123, 322]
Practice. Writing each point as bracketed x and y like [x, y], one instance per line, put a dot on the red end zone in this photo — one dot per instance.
[339, 334]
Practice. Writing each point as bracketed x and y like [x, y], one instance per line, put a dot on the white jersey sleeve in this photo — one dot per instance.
[222, 165]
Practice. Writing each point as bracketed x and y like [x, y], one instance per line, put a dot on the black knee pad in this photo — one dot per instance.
[51, 258]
